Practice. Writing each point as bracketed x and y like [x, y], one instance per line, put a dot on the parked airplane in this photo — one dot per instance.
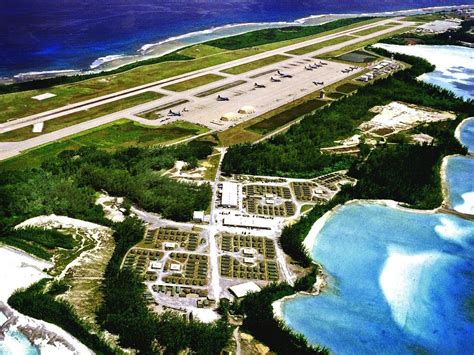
[222, 98]
[174, 114]
[309, 68]
[273, 80]
[283, 75]
[318, 83]
[259, 86]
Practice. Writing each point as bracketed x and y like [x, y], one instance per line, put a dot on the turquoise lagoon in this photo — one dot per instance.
[400, 281]
[466, 135]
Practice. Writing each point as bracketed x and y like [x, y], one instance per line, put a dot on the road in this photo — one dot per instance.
[206, 110]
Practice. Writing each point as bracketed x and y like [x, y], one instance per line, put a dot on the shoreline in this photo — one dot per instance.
[171, 44]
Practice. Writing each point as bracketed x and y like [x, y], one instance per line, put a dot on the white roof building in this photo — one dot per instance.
[230, 195]
[198, 216]
[248, 222]
[440, 26]
[243, 289]
[249, 251]
[155, 265]
[169, 245]
[175, 267]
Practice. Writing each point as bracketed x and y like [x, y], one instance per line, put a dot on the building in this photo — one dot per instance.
[249, 252]
[175, 267]
[249, 260]
[169, 245]
[248, 222]
[198, 216]
[230, 195]
[241, 290]
[155, 265]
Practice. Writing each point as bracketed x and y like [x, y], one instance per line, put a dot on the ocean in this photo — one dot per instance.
[56, 35]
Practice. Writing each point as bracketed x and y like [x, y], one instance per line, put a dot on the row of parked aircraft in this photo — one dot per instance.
[350, 69]
[311, 67]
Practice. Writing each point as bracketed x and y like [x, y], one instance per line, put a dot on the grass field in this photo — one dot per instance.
[320, 45]
[211, 164]
[347, 88]
[116, 135]
[369, 31]
[335, 95]
[282, 118]
[200, 50]
[239, 69]
[20, 104]
[194, 82]
[362, 44]
[78, 117]
[357, 57]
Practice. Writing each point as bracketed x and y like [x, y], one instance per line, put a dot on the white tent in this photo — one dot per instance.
[230, 116]
[247, 110]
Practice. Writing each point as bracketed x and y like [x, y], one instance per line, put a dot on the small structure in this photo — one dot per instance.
[247, 110]
[38, 127]
[198, 216]
[241, 290]
[249, 260]
[169, 245]
[42, 97]
[230, 195]
[248, 222]
[155, 265]
[175, 267]
[249, 252]
[231, 116]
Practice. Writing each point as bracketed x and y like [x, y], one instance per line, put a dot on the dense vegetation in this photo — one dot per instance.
[272, 35]
[464, 34]
[125, 311]
[297, 152]
[37, 303]
[260, 321]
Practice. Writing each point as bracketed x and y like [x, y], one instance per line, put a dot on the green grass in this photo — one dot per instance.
[362, 44]
[194, 82]
[357, 57]
[116, 135]
[320, 45]
[305, 208]
[280, 119]
[335, 95]
[369, 31]
[200, 50]
[78, 117]
[347, 88]
[243, 68]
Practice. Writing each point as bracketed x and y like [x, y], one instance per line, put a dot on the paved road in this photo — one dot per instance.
[206, 106]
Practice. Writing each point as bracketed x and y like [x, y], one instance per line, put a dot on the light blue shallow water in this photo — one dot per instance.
[17, 344]
[460, 179]
[467, 135]
[401, 283]
[454, 66]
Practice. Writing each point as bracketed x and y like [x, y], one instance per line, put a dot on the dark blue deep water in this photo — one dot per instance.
[70, 34]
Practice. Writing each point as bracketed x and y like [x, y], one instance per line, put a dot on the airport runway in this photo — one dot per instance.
[207, 110]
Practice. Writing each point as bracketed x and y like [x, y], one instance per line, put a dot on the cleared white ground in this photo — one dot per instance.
[18, 270]
[400, 116]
